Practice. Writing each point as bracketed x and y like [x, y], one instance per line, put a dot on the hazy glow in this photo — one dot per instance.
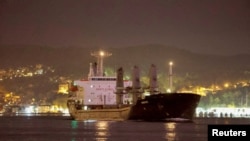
[74, 124]
[222, 112]
[102, 130]
[170, 129]
[102, 53]
[29, 109]
[226, 85]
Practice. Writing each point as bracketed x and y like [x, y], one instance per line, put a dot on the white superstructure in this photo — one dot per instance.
[99, 89]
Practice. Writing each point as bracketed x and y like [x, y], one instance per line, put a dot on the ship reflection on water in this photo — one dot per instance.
[135, 130]
[171, 134]
[102, 130]
[51, 128]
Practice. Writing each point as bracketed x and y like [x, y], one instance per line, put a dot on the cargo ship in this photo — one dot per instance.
[101, 97]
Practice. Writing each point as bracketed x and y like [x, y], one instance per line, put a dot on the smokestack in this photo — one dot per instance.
[95, 69]
[91, 70]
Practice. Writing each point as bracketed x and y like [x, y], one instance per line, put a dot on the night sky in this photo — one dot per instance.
[204, 26]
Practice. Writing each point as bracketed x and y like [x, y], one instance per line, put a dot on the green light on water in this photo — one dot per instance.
[74, 124]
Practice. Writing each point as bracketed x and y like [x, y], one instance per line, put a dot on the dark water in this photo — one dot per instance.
[61, 128]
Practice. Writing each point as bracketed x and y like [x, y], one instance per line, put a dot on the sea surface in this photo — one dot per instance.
[62, 128]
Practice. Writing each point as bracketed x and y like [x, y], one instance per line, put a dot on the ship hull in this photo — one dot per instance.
[111, 113]
[165, 106]
[151, 108]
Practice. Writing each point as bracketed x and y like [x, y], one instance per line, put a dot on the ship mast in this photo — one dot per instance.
[136, 85]
[153, 86]
[100, 55]
[171, 76]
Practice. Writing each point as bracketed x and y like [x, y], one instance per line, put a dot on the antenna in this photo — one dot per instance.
[171, 76]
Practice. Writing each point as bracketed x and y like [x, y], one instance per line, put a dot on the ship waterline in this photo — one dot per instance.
[100, 114]
[159, 107]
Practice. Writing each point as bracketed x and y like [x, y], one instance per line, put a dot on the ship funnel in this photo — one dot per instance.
[95, 69]
[153, 86]
[91, 70]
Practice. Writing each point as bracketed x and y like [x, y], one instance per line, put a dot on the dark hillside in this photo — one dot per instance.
[75, 61]
[190, 69]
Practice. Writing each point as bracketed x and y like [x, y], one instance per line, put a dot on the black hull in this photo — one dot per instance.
[165, 106]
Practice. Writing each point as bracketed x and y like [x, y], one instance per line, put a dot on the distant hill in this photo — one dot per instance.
[76, 60]
[190, 69]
